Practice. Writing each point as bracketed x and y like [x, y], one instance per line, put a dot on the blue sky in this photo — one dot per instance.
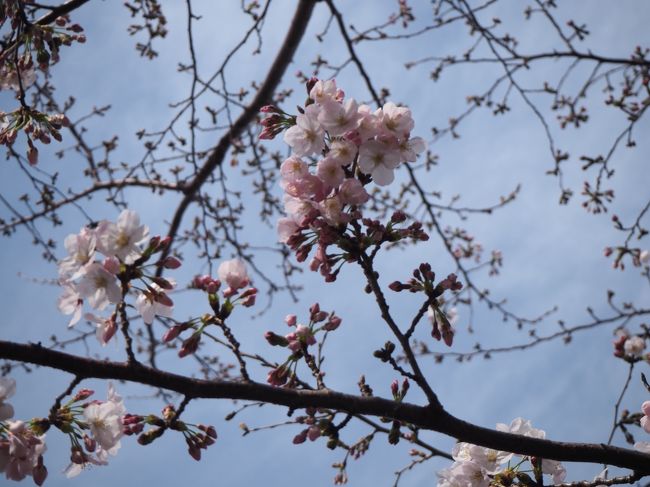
[553, 254]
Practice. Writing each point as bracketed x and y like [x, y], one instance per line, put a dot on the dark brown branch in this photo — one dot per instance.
[423, 417]
[264, 96]
[99, 186]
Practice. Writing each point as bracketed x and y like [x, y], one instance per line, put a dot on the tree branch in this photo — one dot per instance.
[423, 417]
[264, 96]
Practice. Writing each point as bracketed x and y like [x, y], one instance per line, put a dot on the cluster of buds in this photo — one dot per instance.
[357, 146]
[276, 122]
[36, 125]
[422, 281]
[199, 440]
[40, 41]
[298, 340]
[399, 394]
[639, 257]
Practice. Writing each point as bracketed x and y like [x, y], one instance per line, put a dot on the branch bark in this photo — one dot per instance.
[435, 419]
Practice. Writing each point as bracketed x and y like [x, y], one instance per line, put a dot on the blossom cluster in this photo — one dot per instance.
[354, 145]
[629, 347]
[477, 466]
[94, 427]
[298, 341]
[21, 449]
[103, 261]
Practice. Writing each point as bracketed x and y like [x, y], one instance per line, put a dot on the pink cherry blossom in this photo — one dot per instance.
[291, 169]
[20, 452]
[342, 151]
[379, 160]
[70, 303]
[332, 210]
[395, 120]
[330, 172]
[105, 421]
[286, 228]
[351, 192]
[323, 90]
[339, 118]
[233, 272]
[106, 327]
[410, 148]
[306, 137]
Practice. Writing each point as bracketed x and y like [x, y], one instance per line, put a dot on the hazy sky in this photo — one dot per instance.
[552, 254]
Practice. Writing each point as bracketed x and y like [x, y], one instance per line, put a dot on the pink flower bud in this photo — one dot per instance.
[394, 387]
[39, 473]
[190, 345]
[172, 333]
[171, 263]
[82, 395]
[300, 437]
[291, 320]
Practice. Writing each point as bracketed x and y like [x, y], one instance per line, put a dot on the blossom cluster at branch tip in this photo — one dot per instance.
[629, 347]
[477, 466]
[354, 146]
[103, 261]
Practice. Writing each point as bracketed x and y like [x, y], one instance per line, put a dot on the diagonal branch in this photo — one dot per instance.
[264, 96]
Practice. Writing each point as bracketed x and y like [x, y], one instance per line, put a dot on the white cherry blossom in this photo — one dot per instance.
[81, 250]
[99, 286]
[122, 238]
[149, 308]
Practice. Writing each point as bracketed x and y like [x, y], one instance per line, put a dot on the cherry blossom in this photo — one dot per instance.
[20, 451]
[99, 286]
[323, 91]
[70, 303]
[122, 238]
[105, 421]
[645, 420]
[7, 389]
[106, 327]
[379, 160]
[233, 272]
[149, 304]
[306, 136]
[634, 346]
[81, 248]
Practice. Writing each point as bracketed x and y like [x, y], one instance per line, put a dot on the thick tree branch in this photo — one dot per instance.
[424, 417]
